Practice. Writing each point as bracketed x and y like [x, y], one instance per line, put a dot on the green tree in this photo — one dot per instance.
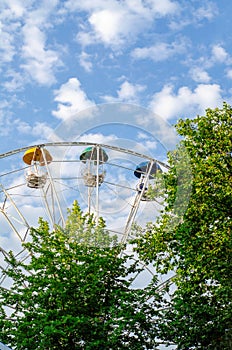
[75, 292]
[197, 243]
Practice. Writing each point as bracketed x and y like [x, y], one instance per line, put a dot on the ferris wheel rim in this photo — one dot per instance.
[83, 143]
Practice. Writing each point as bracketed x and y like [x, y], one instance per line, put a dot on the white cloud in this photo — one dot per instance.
[147, 141]
[189, 14]
[229, 74]
[15, 81]
[98, 138]
[200, 75]
[85, 38]
[85, 62]
[87, 5]
[5, 117]
[159, 51]
[16, 7]
[39, 16]
[185, 102]
[142, 136]
[38, 129]
[217, 56]
[13, 9]
[71, 99]
[164, 7]
[23, 26]
[150, 145]
[108, 25]
[219, 53]
[206, 11]
[114, 23]
[7, 48]
[39, 61]
[38, 132]
[23, 127]
[126, 93]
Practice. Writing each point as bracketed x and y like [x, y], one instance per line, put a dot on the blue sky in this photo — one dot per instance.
[58, 58]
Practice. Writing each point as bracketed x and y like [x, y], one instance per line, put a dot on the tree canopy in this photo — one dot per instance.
[196, 243]
[75, 292]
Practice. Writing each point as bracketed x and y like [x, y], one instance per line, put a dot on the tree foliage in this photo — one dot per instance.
[196, 243]
[74, 292]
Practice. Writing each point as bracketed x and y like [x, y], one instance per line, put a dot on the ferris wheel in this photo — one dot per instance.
[43, 181]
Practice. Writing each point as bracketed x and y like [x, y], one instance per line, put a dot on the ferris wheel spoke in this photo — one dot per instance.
[120, 196]
[121, 186]
[44, 155]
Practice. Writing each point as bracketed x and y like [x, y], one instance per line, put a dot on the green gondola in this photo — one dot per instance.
[94, 153]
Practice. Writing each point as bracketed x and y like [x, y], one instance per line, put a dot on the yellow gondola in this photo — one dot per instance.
[37, 155]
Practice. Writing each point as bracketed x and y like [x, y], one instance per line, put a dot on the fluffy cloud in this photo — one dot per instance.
[71, 99]
[159, 51]
[7, 48]
[192, 15]
[41, 131]
[107, 25]
[169, 105]
[39, 61]
[85, 61]
[217, 57]
[10, 12]
[162, 8]
[23, 27]
[148, 142]
[6, 118]
[15, 81]
[154, 6]
[200, 75]
[126, 93]
[17, 8]
[206, 11]
[98, 138]
[219, 53]
[113, 23]
[229, 74]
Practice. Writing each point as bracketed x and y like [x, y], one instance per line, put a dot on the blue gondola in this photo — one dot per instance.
[143, 168]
